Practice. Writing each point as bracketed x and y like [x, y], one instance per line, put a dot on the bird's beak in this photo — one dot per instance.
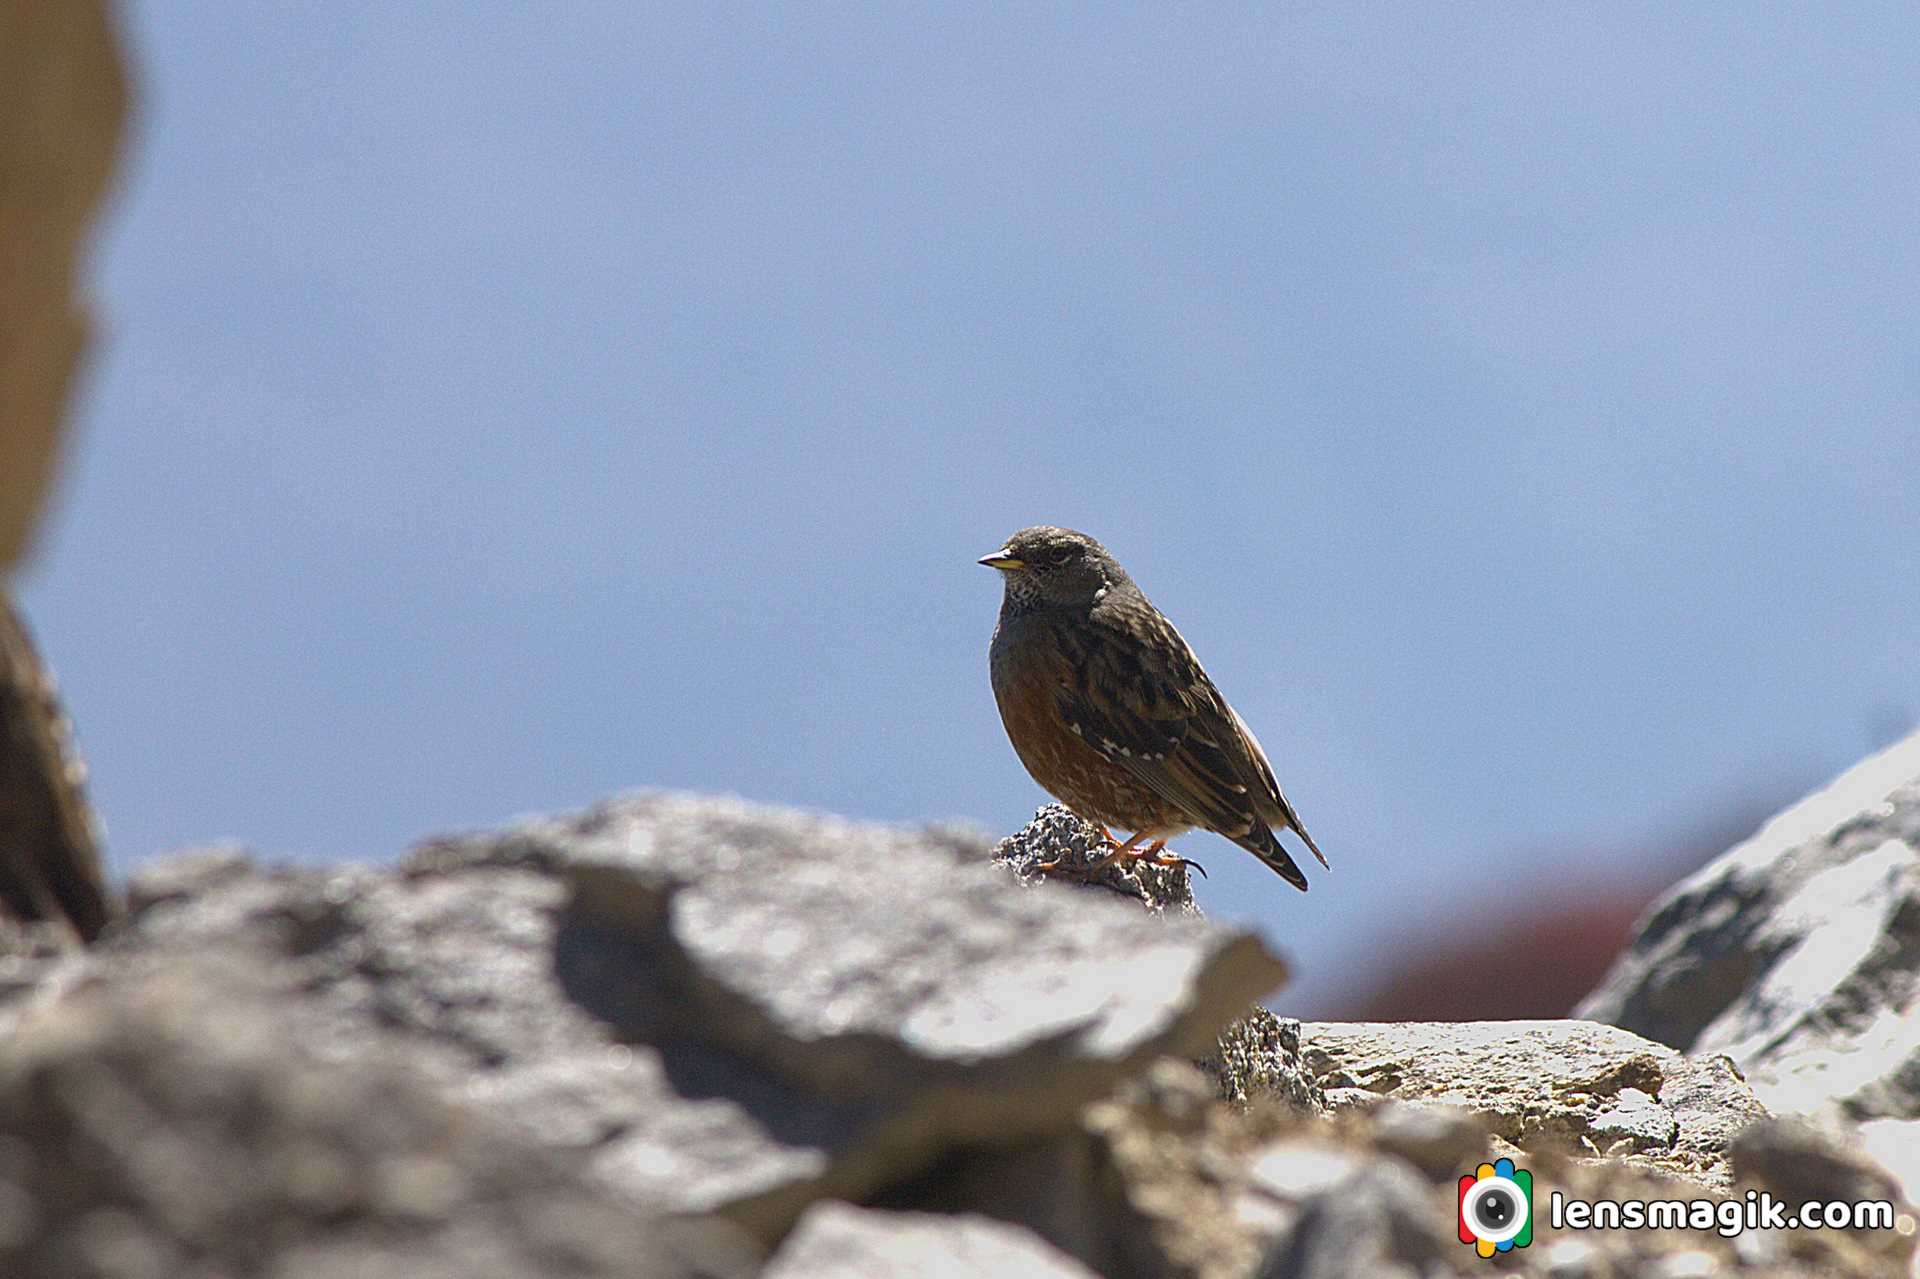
[1002, 561]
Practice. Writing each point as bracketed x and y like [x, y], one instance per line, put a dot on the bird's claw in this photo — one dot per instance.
[1116, 851]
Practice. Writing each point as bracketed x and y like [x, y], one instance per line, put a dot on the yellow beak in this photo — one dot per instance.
[1001, 560]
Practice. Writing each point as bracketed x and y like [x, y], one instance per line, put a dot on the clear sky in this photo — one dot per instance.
[498, 406]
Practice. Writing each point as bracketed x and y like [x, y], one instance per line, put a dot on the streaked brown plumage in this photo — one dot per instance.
[1110, 711]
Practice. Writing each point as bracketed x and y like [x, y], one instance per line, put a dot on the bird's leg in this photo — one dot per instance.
[1155, 854]
[1119, 851]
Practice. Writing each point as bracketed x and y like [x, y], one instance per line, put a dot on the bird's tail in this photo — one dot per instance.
[1260, 841]
[1301, 831]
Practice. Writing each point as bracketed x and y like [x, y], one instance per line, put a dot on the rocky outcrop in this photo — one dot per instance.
[835, 1240]
[1797, 953]
[1258, 1054]
[1071, 850]
[1569, 1086]
[1208, 1190]
[159, 1122]
[678, 1035]
[713, 1013]
[50, 864]
[1259, 1057]
[1270, 1184]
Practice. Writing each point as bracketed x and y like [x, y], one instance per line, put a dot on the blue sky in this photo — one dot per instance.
[499, 406]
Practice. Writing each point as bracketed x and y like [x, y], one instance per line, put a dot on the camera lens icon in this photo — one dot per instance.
[1496, 1208]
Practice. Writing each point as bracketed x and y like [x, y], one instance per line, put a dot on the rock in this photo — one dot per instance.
[1168, 1185]
[1377, 1220]
[1057, 836]
[1797, 953]
[724, 1011]
[185, 876]
[1259, 1056]
[1342, 1099]
[49, 838]
[1894, 1145]
[840, 968]
[1337, 1202]
[39, 967]
[1441, 1141]
[1058, 1187]
[1564, 1085]
[1798, 1161]
[1574, 1258]
[743, 1030]
[1633, 1120]
[1160, 1160]
[63, 100]
[1294, 1171]
[163, 1124]
[835, 1240]
[1118, 1191]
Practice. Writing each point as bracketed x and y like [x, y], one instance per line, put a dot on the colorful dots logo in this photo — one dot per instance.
[1496, 1208]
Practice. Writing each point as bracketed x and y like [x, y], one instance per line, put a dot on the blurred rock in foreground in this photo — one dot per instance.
[679, 1035]
[50, 866]
[63, 99]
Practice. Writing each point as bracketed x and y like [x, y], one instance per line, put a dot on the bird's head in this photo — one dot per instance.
[1048, 565]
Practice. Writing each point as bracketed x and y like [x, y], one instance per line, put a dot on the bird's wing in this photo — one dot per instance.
[1277, 796]
[1139, 697]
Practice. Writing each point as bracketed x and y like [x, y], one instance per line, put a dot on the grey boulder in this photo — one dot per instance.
[836, 1241]
[1797, 953]
[724, 1012]
[1575, 1087]
[158, 1125]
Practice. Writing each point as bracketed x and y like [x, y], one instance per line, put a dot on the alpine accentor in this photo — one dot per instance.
[1109, 710]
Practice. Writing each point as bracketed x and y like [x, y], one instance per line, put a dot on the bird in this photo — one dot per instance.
[1110, 711]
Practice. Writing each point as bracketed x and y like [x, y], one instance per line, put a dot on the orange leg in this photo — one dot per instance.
[1119, 851]
[1155, 854]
